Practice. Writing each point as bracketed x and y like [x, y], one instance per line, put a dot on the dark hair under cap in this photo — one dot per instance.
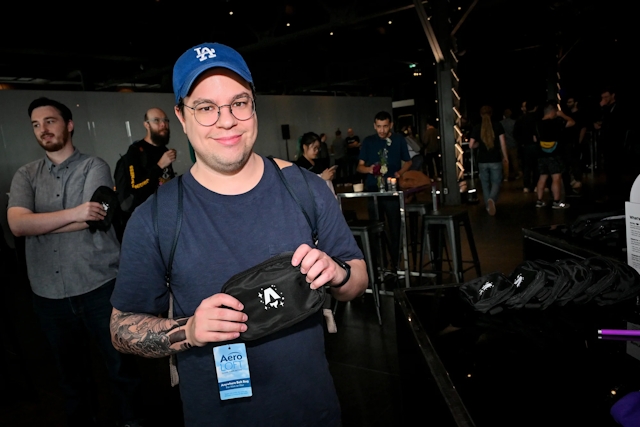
[65, 112]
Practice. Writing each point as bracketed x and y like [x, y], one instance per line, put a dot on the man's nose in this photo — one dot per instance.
[225, 117]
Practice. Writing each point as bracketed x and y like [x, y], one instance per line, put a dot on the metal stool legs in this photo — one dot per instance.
[452, 221]
[363, 230]
[366, 243]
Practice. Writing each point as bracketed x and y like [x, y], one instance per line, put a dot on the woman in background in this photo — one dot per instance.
[308, 149]
[489, 138]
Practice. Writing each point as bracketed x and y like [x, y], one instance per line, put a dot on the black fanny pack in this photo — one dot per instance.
[275, 296]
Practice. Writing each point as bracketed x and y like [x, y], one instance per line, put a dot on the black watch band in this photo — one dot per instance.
[346, 267]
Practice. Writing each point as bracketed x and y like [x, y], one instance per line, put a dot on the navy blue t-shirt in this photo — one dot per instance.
[221, 236]
[397, 151]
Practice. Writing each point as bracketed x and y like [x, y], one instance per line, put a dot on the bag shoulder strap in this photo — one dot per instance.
[312, 225]
[174, 244]
[173, 367]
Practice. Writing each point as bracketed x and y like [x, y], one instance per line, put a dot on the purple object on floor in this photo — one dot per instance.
[626, 411]
[621, 332]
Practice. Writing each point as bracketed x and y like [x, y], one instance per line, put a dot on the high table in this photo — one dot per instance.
[400, 194]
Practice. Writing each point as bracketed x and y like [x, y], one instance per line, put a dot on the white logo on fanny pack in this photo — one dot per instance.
[105, 206]
[519, 280]
[271, 297]
[485, 287]
[204, 53]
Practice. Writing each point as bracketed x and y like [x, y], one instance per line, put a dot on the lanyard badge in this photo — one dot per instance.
[232, 368]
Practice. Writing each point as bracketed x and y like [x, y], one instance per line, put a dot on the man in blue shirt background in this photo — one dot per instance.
[385, 148]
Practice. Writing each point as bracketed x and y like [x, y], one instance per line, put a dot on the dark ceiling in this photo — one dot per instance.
[339, 47]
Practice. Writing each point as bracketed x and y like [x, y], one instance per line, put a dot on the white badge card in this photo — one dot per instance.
[232, 368]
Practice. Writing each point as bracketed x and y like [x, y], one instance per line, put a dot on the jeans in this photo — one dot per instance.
[67, 324]
[491, 179]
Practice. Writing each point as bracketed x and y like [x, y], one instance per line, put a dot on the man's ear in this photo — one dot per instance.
[70, 126]
[178, 113]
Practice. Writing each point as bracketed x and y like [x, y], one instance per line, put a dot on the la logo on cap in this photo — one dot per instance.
[204, 53]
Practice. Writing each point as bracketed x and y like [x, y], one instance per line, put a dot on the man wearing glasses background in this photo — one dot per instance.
[146, 165]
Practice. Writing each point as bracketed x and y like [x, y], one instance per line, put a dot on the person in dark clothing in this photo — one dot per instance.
[339, 151]
[324, 159]
[353, 153]
[575, 137]
[611, 144]
[308, 149]
[524, 131]
[490, 140]
[146, 165]
[550, 161]
[431, 145]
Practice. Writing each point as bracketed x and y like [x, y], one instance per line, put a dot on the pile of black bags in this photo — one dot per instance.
[541, 284]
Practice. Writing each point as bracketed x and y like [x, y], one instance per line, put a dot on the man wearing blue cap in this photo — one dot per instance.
[237, 213]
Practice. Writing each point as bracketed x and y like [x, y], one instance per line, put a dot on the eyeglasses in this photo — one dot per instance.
[158, 121]
[207, 113]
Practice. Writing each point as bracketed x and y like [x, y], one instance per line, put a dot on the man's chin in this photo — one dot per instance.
[52, 147]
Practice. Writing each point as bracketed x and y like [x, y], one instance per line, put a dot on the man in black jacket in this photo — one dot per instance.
[146, 165]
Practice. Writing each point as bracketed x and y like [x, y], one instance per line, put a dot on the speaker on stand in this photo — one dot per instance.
[286, 136]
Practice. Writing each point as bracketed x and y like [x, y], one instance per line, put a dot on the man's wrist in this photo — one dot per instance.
[347, 268]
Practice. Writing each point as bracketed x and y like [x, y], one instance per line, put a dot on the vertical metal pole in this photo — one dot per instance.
[450, 188]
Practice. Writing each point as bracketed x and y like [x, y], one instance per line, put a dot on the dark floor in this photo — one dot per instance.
[363, 356]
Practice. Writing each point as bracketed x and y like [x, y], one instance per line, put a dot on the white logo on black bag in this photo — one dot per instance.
[519, 280]
[271, 297]
[204, 53]
[485, 288]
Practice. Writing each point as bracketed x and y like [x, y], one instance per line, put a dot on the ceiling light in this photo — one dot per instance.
[231, 12]
[331, 33]
[288, 25]
[390, 22]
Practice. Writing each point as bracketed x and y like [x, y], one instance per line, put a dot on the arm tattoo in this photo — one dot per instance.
[147, 335]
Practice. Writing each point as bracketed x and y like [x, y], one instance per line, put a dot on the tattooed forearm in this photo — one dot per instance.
[147, 335]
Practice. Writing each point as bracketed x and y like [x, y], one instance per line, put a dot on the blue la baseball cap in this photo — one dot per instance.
[202, 57]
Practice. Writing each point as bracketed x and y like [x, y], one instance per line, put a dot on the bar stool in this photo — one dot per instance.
[365, 230]
[415, 212]
[450, 220]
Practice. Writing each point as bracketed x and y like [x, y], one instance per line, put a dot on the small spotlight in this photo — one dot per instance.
[288, 25]
[390, 22]
[459, 8]
[231, 12]
[331, 33]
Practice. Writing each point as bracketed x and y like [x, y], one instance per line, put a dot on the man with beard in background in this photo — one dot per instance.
[146, 165]
[72, 269]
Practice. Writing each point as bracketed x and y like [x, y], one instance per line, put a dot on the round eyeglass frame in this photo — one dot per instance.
[195, 116]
